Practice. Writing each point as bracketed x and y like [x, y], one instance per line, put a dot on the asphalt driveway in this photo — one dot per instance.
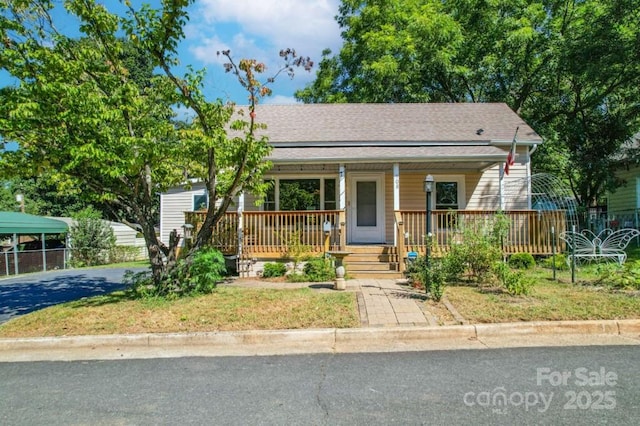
[28, 293]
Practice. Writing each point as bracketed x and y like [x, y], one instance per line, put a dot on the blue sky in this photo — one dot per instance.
[258, 29]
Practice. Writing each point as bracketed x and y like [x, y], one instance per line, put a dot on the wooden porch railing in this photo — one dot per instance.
[270, 234]
[529, 230]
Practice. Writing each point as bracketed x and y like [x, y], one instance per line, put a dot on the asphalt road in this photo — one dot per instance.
[573, 385]
[27, 293]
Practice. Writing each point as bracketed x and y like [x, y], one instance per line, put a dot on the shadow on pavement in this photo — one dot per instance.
[28, 295]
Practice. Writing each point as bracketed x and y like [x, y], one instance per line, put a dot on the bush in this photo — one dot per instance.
[560, 259]
[91, 239]
[319, 269]
[522, 261]
[620, 277]
[272, 270]
[198, 274]
[121, 254]
[206, 270]
[515, 282]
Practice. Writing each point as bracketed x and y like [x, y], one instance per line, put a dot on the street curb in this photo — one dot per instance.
[280, 342]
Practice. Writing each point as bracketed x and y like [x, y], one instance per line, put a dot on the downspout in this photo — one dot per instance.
[529, 154]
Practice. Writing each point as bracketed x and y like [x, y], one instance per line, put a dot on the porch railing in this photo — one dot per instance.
[271, 234]
[529, 230]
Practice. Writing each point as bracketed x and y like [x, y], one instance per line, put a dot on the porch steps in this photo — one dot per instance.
[376, 261]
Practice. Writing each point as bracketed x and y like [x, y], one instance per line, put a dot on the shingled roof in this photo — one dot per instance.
[394, 124]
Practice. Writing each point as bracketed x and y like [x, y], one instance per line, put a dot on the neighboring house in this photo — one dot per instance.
[623, 205]
[357, 171]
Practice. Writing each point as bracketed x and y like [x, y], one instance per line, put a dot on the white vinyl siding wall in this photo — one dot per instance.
[173, 204]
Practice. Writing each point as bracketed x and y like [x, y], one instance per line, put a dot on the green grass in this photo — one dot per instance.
[548, 301]
[226, 309]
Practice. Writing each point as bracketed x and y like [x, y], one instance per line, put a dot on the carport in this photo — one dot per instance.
[18, 225]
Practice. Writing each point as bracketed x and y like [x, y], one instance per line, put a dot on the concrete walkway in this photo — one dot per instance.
[388, 304]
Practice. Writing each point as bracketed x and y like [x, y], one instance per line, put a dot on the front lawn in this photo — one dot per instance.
[226, 309]
[548, 300]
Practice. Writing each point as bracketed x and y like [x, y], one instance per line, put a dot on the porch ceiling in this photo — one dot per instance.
[473, 157]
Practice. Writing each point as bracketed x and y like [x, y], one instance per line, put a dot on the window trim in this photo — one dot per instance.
[460, 180]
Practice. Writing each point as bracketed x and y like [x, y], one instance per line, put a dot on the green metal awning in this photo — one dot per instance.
[21, 223]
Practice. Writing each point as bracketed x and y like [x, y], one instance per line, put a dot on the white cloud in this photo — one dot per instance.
[279, 100]
[305, 25]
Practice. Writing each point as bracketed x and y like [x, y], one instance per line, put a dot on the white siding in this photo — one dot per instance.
[483, 189]
[173, 204]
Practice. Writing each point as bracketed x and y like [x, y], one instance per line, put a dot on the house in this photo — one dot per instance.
[355, 172]
[623, 205]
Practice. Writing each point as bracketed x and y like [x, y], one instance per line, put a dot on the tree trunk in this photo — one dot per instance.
[155, 252]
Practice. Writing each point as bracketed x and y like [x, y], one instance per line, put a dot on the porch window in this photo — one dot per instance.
[447, 196]
[269, 204]
[301, 194]
[200, 202]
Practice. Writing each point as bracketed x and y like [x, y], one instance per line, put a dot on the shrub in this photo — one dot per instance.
[620, 277]
[522, 261]
[121, 254]
[91, 239]
[274, 269]
[560, 259]
[319, 269]
[515, 282]
[206, 270]
[198, 274]
[433, 277]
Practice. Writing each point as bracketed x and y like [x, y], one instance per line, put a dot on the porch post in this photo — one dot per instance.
[341, 188]
[239, 233]
[396, 198]
[342, 206]
[501, 187]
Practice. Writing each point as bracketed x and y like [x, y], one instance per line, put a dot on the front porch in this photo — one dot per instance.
[270, 235]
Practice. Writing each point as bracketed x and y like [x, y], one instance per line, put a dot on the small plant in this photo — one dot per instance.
[319, 269]
[296, 250]
[274, 269]
[435, 275]
[522, 261]
[515, 282]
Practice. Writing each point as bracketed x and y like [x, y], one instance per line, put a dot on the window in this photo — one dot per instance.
[301, 194]
[269, 204]
[447, 196]
[200, 202]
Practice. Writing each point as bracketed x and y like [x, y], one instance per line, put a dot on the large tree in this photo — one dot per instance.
[571, 68]
[89, 113]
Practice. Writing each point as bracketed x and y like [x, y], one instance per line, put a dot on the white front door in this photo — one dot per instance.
[366, 209]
